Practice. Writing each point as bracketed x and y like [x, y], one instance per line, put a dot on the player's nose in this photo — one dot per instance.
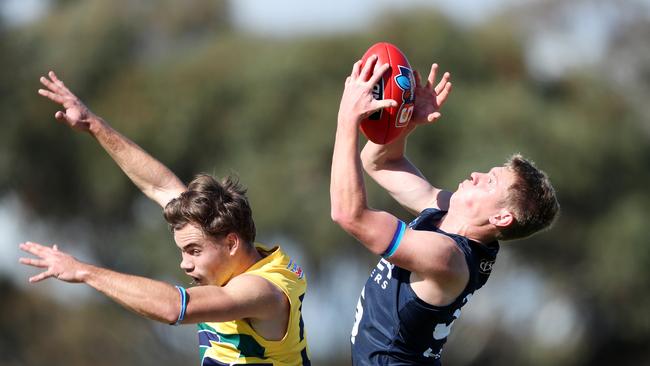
[186, 265]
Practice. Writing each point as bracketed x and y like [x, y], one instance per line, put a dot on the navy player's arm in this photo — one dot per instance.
[391, 169]
[437, 260]
[430, 255]
[347, 191]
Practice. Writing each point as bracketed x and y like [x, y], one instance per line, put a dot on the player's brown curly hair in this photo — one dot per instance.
[217, 208]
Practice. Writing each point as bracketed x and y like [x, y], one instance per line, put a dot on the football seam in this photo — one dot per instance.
[390, 62]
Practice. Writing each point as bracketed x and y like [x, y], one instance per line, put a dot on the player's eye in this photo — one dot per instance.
[193, 252]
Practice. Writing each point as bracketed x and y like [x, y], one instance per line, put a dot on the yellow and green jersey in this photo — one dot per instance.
[236, 342]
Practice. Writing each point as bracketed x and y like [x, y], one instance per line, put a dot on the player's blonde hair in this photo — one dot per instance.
[531, 198]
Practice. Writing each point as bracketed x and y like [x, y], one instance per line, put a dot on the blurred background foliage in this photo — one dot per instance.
[202, 96]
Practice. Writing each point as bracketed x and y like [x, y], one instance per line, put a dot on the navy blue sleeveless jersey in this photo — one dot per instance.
[393, 326]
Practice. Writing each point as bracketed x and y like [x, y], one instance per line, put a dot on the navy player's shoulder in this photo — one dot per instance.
[426, 219]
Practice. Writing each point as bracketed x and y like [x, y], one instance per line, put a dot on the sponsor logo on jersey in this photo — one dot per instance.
[485, 266]
[382, 273]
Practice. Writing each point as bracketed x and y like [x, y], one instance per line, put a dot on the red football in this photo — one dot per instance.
[398, 83]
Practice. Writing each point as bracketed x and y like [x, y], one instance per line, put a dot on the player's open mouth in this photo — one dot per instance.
[195, 281]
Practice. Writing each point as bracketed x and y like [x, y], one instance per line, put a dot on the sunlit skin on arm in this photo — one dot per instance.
[154, 179]
[391, 169]
[434, 258]
[161, 301]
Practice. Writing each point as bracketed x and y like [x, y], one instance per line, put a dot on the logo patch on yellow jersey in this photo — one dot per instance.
[295, 268]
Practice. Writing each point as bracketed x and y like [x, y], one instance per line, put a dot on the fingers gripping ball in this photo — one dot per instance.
[397, 83]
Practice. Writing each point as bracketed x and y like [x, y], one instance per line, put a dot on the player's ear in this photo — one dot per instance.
[501, 219]
[232, 241]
